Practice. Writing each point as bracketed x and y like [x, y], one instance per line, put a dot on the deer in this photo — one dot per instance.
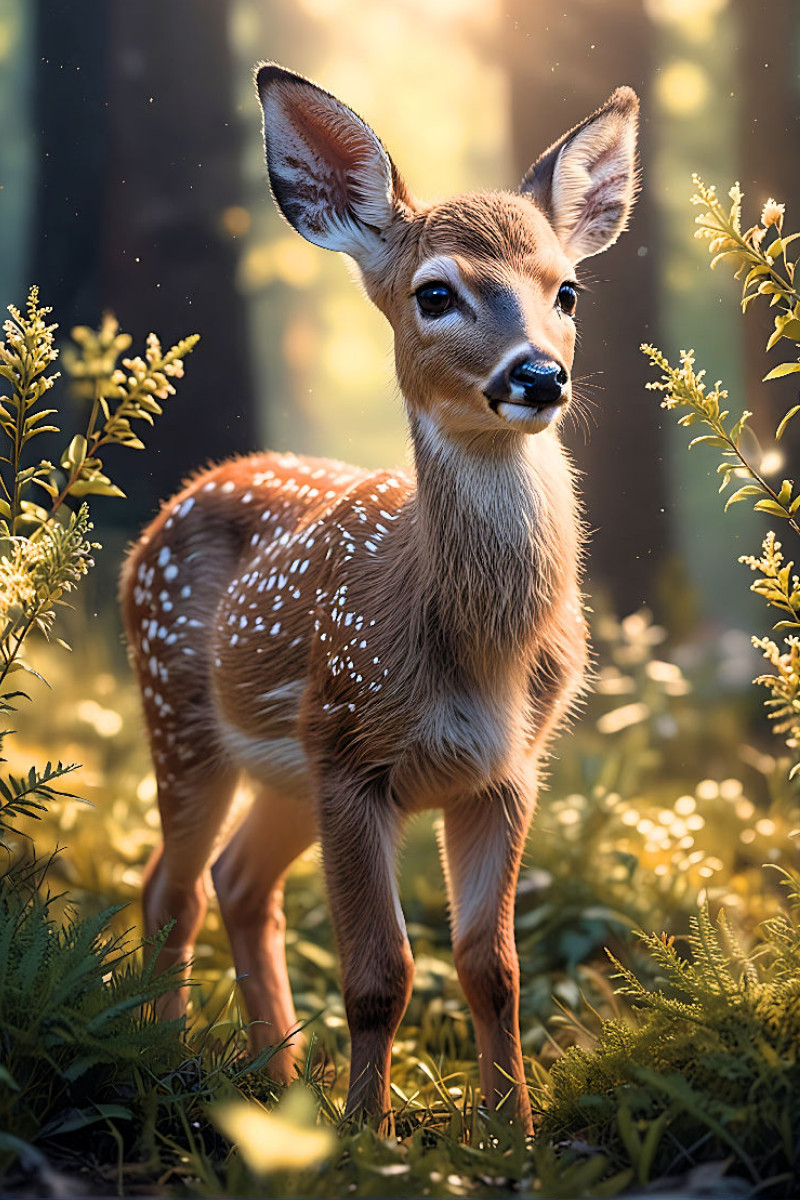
[363, 645]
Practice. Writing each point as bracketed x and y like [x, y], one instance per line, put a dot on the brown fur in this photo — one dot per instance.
[370, 644]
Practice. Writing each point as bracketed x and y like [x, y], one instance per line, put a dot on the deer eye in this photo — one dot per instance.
[568, 298]
[435, 299]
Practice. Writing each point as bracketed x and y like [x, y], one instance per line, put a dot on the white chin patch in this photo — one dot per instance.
[527, 419]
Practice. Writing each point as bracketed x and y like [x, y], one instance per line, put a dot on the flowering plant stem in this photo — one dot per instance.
[755, 261]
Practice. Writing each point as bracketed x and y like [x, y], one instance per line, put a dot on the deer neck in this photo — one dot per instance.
[496, 535]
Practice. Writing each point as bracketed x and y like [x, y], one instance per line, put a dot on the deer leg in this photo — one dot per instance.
[248, 878]
[192, 809]
[481, 850]
[359, 833]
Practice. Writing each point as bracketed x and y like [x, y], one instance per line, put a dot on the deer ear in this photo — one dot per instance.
[330, 175]
[586, 182]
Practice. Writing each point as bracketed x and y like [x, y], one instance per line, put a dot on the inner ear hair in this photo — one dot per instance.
[586, 182]
[330, 174]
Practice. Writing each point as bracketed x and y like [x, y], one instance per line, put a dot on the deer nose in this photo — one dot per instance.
[528, 380]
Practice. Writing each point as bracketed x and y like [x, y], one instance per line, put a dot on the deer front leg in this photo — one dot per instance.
[482, 849]
[358, 827]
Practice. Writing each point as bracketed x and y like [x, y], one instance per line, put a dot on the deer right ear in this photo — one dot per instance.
[586, 182]
[330, 175]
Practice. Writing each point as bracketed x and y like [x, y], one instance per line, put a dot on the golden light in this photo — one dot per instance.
[236, 220]
[106, 721]
[694, 19]
[287, 260]
[772, 462]
[621, 718]
[7, 39]
[683, 88]
[147, 790]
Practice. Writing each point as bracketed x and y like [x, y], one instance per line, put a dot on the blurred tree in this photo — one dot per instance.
[697, 111]
[769, 135]
[561, 68]
[71, 128]
[139, 188]
[16, 157]
[174, 193]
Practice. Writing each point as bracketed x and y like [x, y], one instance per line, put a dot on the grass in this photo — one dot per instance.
[626, 838]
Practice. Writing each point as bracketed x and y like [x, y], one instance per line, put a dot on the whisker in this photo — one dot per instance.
[589, 380]
[582, 410]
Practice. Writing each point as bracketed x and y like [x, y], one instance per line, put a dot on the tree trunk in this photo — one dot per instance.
[560, 72]
[168, 261]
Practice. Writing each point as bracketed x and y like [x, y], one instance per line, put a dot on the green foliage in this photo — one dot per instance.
[79, 1044]
[708, 1068]
[73, 1034]
[781, 589]
[24, 359]
[29, 795]
[117, 396]
[765, 269]
[89, 1078]
[44, 552]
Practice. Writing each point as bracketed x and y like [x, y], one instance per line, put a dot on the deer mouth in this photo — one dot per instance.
[530, 417]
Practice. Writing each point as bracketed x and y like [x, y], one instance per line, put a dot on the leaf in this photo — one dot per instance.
[779, 432]
[785, 494]
[72, 1119]
[712, 439]
[770, 506]
[75, 453]
[749, 489]
[783, 369]
[31, 1157]
[95, 487]
[8, 1079]
[284, 1139]
[760, 269]
[786, 326]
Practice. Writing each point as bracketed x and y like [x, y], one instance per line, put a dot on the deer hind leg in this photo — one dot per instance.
[193, 806]
[481, 852]
[359, 828]
[248, 878]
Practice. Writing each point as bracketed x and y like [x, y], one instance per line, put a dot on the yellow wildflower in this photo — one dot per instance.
[772, 214]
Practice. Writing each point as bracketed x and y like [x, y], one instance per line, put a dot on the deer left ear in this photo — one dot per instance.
[586, 182]
[330, 175]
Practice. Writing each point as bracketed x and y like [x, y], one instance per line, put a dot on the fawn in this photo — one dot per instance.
[368, 644]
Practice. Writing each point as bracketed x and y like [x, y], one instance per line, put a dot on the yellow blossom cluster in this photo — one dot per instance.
[21, 577]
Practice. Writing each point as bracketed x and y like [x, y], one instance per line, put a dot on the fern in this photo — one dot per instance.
[711, 1055]
[74, 1026]
[29, 795]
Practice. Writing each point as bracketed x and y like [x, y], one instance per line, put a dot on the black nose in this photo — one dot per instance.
[527, 380]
